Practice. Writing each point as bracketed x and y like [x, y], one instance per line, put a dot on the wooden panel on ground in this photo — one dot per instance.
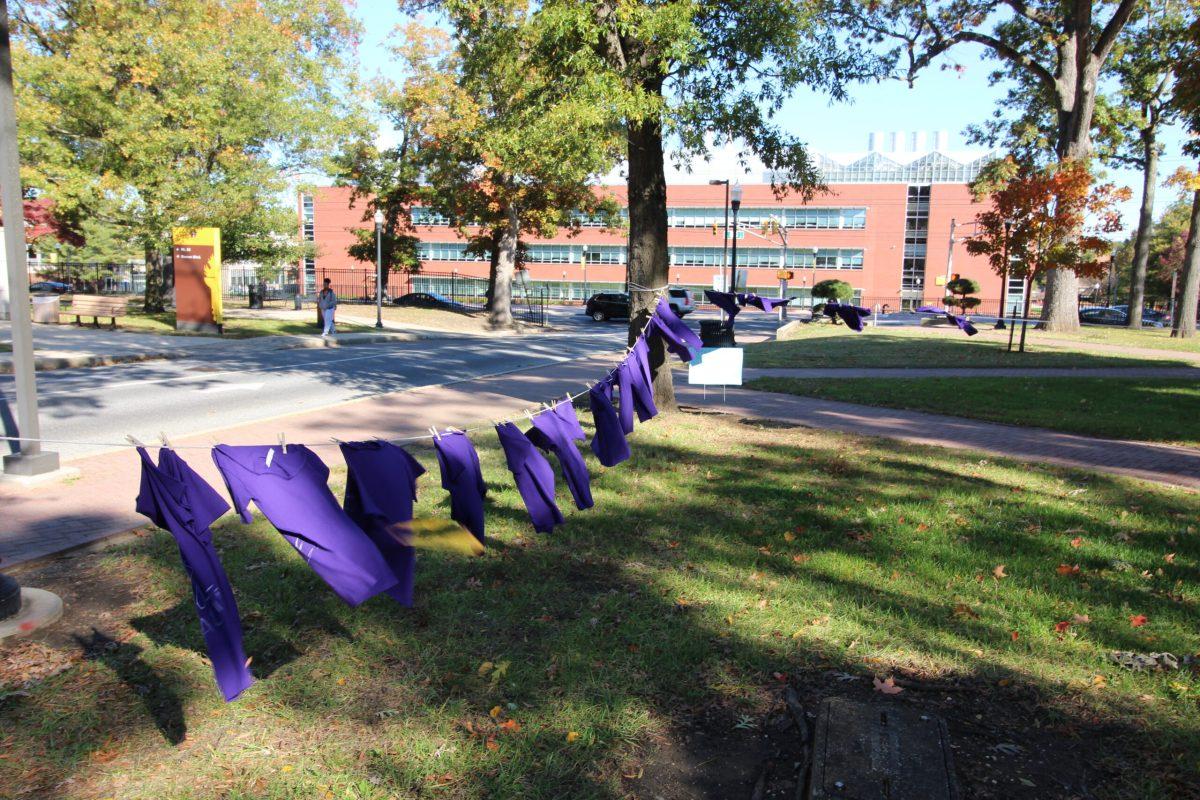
[880, 751]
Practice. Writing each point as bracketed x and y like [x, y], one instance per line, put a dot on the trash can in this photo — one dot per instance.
[46, 308]
[252, 292]
[714, 333]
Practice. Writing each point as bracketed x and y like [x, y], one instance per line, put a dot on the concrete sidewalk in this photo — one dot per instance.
[902, 373]
[42, 520]
[1178, 466]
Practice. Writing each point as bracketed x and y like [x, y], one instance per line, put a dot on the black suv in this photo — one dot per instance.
[607, 305]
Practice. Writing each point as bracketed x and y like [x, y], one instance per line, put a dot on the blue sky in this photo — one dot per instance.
[940, 100]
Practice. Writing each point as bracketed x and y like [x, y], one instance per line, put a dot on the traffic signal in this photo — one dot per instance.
[715, 228]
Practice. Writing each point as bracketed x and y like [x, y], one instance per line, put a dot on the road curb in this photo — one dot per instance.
[50, 363]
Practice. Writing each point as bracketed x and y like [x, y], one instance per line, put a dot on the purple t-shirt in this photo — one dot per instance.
[293, 494]
[549, 433]
[608, 442]
[178, 500]
[534, 477]
[463, 479]
[381, 486]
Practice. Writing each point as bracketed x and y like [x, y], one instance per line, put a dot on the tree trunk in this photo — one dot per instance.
[648, 267]
[1185, 310]
[494, 259]
[1141, 242]
[155, 301]
[500, 314]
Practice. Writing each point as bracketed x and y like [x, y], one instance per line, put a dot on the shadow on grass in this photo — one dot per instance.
[663, 615]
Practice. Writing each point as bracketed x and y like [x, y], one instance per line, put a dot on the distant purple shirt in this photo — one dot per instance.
[963, 323]
[608, 442]
[293, 494]
[550, 433]
[463, 479]
[635, 392]
[850, 314]
[178, 500]
[381, 485]
[534, 477]
[725, 301]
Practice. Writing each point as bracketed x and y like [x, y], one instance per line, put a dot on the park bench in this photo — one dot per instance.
[96, 306]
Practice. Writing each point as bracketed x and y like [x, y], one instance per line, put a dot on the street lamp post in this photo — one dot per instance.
[735, 202]
[1004, 277]
[28, 458]
[583, 263]
[378, 269]
[725, 233]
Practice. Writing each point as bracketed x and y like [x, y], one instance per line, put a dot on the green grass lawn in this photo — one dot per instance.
[1155, 338]
[235, 327]
[725, 559]
[1145, 410]
[818, 345]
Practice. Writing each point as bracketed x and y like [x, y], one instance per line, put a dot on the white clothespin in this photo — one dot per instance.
[133, 440]
[436, 435]
[165, 441]
[335, 440]
[283, 443]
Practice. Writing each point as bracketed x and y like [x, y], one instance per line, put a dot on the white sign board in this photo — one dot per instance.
[716, 366]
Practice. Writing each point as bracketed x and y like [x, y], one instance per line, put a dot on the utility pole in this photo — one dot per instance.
[29, 458]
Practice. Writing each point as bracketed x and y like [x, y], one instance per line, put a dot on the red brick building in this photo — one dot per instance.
[884, 227]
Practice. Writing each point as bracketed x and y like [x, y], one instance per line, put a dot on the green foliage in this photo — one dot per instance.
[959, 288]
[182, 110]
[833, 289]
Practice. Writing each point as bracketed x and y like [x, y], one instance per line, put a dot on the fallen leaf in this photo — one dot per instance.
[1099, 681]
[341, 681]
[1077, 541]
[1060, 627]
[1169, 558]
[887, 686]
[789, 537]
[801, 558]
[1138, 620]
[491, 744]
[1082, 619]
[762, 603]
[485, 668]
[510, 725]
[1067, 569]
[572, 736]
[922, 527]
[495, 712]
[1015, 635]
[964, 610]
[999, 572]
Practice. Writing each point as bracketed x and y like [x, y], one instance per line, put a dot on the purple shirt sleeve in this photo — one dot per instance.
[608, 442]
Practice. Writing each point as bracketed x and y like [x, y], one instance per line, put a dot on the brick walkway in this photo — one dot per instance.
[39, 521]
[1178, 466]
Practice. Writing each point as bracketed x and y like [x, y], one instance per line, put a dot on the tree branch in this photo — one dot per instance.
[1108, 37]
[1009, 53]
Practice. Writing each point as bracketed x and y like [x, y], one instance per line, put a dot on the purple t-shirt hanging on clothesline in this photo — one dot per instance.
[726, 301]
[534, 477]
[292, 491]
[381, 485]
[463, 479]
[635, 392]
[178, 500]
[551, 434]
[565, 411]
[608, 442]
[963, 323]
[850, 314]
[679, 338]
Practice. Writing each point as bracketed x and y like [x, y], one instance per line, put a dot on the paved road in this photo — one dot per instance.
[207, 390]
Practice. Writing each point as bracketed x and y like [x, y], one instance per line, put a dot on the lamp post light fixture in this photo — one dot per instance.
[583, 263]
[1008, 223]
[735, 203]
[378, 269]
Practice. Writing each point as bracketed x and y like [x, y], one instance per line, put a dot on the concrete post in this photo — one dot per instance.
[30, 460]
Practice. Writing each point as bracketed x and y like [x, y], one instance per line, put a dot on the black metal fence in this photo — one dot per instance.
[91, 277]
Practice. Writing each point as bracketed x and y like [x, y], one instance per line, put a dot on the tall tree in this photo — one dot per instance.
[179, 110]
[1037, 221]
[1187, 100]
[696, 74]
[1053, 52]
[508, 149]
[1143, 66]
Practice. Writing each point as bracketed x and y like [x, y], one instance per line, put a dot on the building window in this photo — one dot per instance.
[308, 224]
[803, 217]
[916, 236]
[445, 251]
[427, 216]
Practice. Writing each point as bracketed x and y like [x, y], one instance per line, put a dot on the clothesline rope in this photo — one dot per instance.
[525, 413]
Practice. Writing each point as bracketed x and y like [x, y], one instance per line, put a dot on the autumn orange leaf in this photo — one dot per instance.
[1138, 620]
[495, 712]
[1169, 558]
[572, 736]
[1061, 627]
[1015, 635]
[1077, 541]
[887, 686]
[510, 725]
[492, 744]
[1067, 569]
[999, 572]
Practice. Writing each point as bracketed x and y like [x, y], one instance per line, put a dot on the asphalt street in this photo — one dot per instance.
[211, 389]
[206, 391]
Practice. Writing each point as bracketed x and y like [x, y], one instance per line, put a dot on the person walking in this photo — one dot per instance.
[327, 302]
